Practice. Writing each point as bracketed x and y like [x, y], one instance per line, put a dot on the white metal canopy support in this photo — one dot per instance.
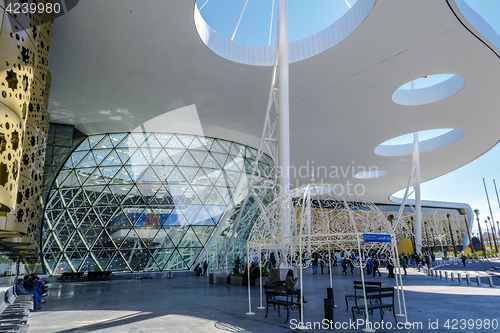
[418, 206]
[268, 144]
[283, 119]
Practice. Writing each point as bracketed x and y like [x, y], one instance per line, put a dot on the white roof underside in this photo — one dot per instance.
[118, 64]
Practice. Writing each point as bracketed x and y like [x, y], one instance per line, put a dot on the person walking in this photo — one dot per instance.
[402, 262]
[369, 265]
[344, 265]
[390, 268]
[376, 263]
[205, 267]
[315, 265]
[463, 259]
[350, 262]
[322, 264]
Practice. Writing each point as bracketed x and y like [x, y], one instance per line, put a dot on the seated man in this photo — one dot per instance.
[21, 291]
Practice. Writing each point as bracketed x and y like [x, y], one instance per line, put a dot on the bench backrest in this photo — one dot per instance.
[368, 283]
[358, 286]
[379, 293]
[273, 291]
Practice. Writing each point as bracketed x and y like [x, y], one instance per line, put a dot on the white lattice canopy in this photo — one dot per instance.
[318, 219]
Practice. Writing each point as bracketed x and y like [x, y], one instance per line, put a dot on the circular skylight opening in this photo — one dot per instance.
[245, 31]
[255, 22]
[428, 89]
[371, 174]
[428, 140]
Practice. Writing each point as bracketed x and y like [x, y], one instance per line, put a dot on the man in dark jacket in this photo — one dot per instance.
[30, 287]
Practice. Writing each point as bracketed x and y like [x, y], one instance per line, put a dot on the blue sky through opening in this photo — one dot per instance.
[304, 18]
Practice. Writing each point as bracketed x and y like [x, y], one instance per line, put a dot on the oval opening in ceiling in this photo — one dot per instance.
[371, 174]
[428, 89]
[229, 39]
[428, 140]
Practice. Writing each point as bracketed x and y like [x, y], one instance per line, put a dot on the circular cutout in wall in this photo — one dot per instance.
[428, 89]
[429, 140]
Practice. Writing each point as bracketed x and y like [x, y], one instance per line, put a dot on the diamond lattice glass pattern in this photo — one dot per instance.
[145, 201]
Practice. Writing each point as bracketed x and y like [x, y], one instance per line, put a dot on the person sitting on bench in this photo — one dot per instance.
[290, 284]
[21, 291]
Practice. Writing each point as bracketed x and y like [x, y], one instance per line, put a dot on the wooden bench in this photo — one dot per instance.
[278, 296]
[358, 291]
[379, 298]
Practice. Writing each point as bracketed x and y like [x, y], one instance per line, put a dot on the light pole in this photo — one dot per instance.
[488, 233]
[468, 231]
[451, 235]
[427, 238]
[433, 239]
[480, 232]
[492, 224]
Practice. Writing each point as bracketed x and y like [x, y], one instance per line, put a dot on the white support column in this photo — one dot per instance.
[418, 206]
[283, 99]
[283, 120]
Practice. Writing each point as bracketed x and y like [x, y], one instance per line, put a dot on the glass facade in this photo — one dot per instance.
[147, 201]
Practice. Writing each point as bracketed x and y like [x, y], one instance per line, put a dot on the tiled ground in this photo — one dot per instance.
[190, 304]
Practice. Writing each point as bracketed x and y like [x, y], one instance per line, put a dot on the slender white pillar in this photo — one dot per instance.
[283, 99]
[418, 205]
[283, 121]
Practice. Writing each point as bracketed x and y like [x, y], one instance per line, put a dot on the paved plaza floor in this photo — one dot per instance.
[191, 304]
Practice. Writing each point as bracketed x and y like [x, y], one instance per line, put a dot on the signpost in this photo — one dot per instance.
[379, 238]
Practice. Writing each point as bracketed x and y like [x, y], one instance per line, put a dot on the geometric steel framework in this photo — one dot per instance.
[146, 201]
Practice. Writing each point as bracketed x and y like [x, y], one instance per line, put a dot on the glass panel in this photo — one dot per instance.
[203, 233]
[112, 159]
[139, 138]
[163, 159]
[176, 177]
[163, 138]
[210, 162]
[161, 256]
[151, 142]
[203, 218]
[189, 255]
[186, 139]
[175, 143]
[175, 154]
[175, 262]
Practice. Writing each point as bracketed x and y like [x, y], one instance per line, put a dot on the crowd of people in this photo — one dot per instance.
[33, 285]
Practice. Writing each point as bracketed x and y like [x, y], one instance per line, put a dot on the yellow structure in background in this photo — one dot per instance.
[24, 122]
[405, 246]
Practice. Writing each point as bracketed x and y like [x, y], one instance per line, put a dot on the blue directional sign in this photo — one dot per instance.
[380, 238]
